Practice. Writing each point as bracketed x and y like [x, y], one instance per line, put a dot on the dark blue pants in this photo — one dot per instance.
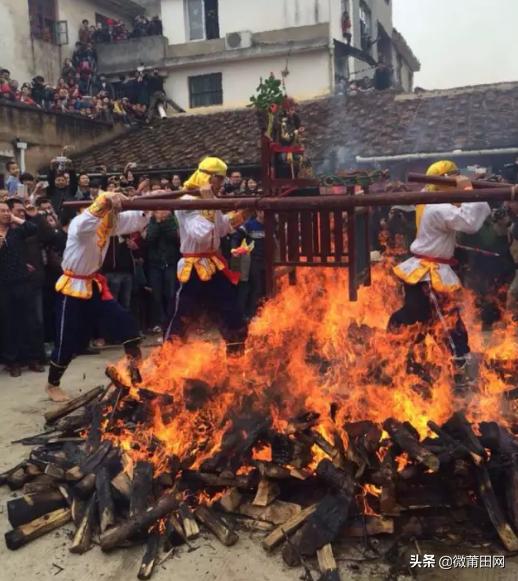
[21, 337]
[121, 287]
[218, 295]
[162, 280]
[75, 319]
[418, 308]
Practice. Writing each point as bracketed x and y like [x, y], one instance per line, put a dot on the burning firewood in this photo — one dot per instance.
[25, 509]
[327, 564]
[406, 440]
[150, 556]
[175, 533]
[116, 535]
[277, 536]
[231, 500]
[104, 499]
[321, 528]
[459, 428]
[209, 519]
[26, 533]
[454, 444]
[83, 536]
[504, 449]
[189, 523]
[267, 492]
[487, 494]
[369, 526]
[74, 404]
[142, 488]
[403, 485]
[276, 513]
[85, 486]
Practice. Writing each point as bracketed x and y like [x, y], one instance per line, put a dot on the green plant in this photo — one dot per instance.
[269, 92]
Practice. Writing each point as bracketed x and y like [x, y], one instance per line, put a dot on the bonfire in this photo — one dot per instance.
[327, 429]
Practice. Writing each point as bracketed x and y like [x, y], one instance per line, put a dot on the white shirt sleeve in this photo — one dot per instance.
[129, 222]
[84, 223]
[199, 228]
[468, 217]
[223, 225]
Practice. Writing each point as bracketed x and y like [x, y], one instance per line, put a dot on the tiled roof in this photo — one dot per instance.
[336, 128]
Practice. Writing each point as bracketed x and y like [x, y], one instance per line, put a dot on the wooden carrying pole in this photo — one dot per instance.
[418, 178]
[159, 195]
[345, 202]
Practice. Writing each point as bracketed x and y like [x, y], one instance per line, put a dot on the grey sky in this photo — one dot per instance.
[461, 42]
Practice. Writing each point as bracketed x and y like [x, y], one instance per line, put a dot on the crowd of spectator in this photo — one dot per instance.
[140, 268]
[113, 30]
[83, 91]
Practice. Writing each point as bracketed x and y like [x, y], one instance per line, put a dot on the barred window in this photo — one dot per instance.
[206, 90]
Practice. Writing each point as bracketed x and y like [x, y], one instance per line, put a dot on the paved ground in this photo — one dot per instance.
[21, 407]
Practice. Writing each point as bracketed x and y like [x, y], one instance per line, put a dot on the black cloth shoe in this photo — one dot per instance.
[14, 370]
[36, 367]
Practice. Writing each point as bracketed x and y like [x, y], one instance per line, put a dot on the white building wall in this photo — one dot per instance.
[309, 77]
[252, 15]
[26, 57]
[381, 12]
[174, 21]
[20, 54]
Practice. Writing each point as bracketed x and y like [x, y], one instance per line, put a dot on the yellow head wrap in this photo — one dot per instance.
[208, 167]
[439, 168]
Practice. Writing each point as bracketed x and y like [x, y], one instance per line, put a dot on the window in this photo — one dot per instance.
[365, 27]
[205, 90]
[399, 70]
[195, 17]
[42, 18]
[202, 19]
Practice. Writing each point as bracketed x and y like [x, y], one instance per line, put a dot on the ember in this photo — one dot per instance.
[327, 427]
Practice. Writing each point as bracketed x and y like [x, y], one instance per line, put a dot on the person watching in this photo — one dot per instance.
[18, 313]
[233, 186]
[13, 183]
[176, 183]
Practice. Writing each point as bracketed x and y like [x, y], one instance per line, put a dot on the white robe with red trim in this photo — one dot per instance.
[437, 238]
[200, 233]
[83, 255]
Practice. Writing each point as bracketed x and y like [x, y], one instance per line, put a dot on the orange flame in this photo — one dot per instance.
[310, 348]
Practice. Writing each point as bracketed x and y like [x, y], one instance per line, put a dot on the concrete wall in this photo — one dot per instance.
[126, 56]
[47, 133]
[252, 15]
[240, 79]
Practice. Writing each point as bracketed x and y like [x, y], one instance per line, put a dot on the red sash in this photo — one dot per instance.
[232, 276]
[436, 260]
[98, 278]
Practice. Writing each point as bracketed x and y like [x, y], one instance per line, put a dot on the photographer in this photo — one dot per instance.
[63, 183]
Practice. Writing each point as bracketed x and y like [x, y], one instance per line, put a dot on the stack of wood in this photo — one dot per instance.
[457, 483]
